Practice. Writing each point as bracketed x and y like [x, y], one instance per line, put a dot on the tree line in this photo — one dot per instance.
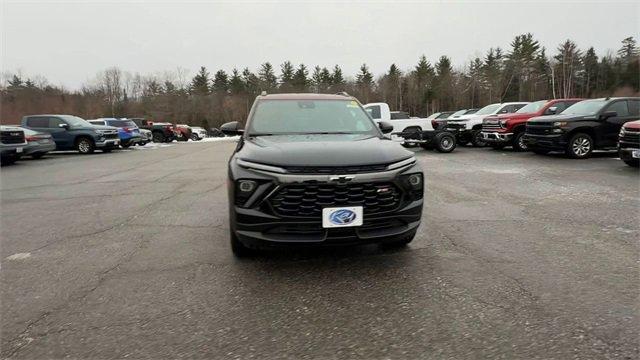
[522, 72]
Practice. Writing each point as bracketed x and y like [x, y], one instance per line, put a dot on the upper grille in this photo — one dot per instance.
[335, 169]
[539, 129]
[630, 138]
[491, 126]
[308, 199]
[12, 137]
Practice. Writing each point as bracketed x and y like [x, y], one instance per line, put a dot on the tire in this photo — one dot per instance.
[580, 146]
[476, 138]
[9, 160]
[632, 162]
[85, 145]
[238, 248]
[402, 242]
[158, 137]
[518, 143]
[183, 137]
[37, 155]
[195, 137]
[497, 146]
[126, 146]
[445, 142]
[540, 151]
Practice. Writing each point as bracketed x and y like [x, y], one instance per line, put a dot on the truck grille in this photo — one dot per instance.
[539, 129]
[110, 134]
[308, 199]
[491, 126]
[12, 137]
[631, 138]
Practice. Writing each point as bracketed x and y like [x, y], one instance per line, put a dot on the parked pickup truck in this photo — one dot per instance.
[380, 112]
[469, 127]
[74, 133]
[508, 129]
[629, 143]
[583, 127]
[12, 144]
[161, 131]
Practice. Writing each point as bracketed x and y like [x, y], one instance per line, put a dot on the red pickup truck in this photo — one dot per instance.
[507, 129]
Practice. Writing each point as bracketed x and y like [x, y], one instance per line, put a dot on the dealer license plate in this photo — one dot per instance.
[341, 217]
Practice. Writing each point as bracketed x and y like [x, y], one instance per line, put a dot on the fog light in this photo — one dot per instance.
[415, 179]
[246, 186]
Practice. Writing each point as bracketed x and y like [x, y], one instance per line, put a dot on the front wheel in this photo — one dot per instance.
[476, 139]
[445, 142]
[518, 142]
[632, 162]
[580, 146]
[158, 137]
[195, 137]
[85, 146]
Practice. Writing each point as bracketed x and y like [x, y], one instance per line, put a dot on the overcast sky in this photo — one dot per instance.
[69, 42]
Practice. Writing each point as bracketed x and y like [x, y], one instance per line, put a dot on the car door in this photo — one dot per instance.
[63, 137]
[611, 125]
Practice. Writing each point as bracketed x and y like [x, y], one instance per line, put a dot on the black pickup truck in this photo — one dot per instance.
[583, 127]
[161, 131]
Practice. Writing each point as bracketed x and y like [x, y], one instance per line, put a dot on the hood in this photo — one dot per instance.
[632, 125]
[559, 117]
[510, 116]
[461, 117]
[322, 150]
[103, 127]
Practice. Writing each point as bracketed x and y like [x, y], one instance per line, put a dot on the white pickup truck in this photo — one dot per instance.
[401, 121]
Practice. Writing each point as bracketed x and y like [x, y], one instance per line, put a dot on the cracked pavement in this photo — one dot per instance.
[518, 256]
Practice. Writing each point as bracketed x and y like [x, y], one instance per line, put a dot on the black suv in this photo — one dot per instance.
[314, 169]
[581, 128]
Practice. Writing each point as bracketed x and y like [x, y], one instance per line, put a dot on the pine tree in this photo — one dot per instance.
[220, 82]
[200, 82]
[521, 65]
[364, 83]
[300, 79]
[337, 80]
[251, 81]
[268, 80]
[629, 49]
[316, 79]
[236, 85]
[590, 61]
[569, 63]
[16, 82]
[286, 76]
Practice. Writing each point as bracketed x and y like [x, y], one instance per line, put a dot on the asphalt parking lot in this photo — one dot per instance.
[126, 255]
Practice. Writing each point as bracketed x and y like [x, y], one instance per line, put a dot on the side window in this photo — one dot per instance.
[620, 107]
[38, 122]
[54, 122]
[559, 106]
[634, 107]
[374, 111]
[517, 107]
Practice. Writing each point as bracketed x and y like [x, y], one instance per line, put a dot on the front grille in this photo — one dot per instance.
[110, 134]
[308, 199]
[491, 126]
[336, 169]
[12, 137]
[539, 129]
[630, 138]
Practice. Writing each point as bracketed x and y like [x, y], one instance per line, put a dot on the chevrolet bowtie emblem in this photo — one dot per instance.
[341, 178]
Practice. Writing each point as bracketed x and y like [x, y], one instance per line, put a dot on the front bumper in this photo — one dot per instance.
[108, 144]
[548, 142]
[497, 137]
[259, 226]
[628, 154]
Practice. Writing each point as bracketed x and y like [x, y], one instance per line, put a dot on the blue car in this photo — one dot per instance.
[127, 130]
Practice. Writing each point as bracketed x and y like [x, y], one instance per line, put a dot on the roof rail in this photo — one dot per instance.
[343, 93]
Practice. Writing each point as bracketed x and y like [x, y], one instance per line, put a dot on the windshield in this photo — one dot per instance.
[532, 108]
[279, 117]
[122, 123]
[458, 113]
[433, 116]
[471, 111]
[444, 115]
[588, 107]
[74, 120]
[489, 109]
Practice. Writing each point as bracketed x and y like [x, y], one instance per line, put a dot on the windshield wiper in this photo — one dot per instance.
[261, 134]
[327, 133]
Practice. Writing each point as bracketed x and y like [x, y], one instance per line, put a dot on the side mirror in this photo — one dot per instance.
[552, 110]
[231, 128]
[608, 114]
[385, 127]
[64, 126]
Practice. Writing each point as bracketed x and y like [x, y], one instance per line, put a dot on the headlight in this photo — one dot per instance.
[414, 184]
[622, 131]
[415, 179]
[560, 123]
[503, 123]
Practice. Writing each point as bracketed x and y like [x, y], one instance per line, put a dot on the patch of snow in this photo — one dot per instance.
[19, 256]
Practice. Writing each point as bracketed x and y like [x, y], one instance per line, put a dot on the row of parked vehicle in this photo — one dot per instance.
[574, 126]
[39, 134]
